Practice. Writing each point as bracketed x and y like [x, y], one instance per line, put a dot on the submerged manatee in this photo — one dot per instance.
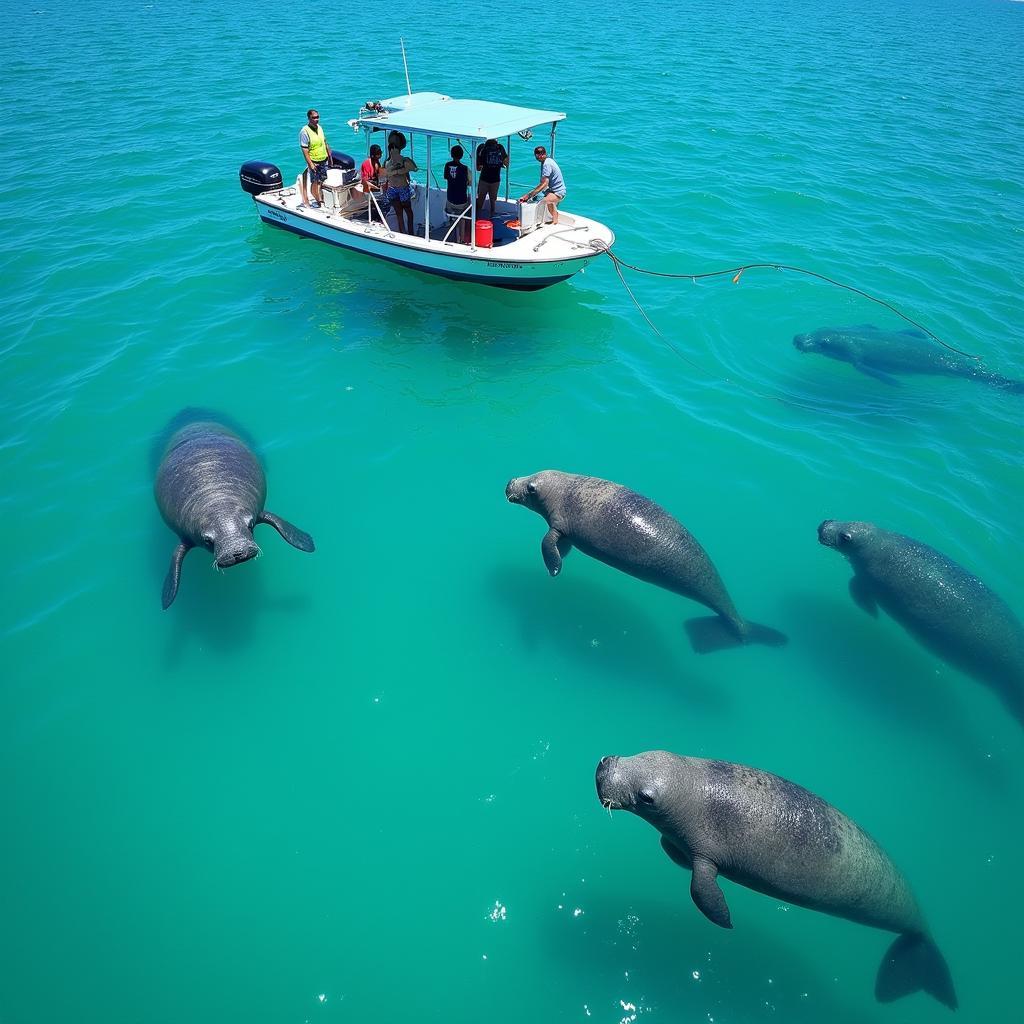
[880, 354]
[777, 838]
[937, 601]
[629, 532]
[210, 489]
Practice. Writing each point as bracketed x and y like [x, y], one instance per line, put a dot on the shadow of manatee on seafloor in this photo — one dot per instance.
[889, 674]
[653, 948]
[603, 630]
[218, 610]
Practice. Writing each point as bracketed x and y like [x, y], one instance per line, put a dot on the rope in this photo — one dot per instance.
[686, 359]
[737, 272]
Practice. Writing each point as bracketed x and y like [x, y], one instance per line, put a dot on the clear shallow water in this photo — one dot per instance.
[307, 791]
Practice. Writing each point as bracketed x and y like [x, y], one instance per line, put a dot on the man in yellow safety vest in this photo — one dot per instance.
[317, 155]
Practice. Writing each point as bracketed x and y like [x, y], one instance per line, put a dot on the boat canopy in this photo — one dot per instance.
[435, 114]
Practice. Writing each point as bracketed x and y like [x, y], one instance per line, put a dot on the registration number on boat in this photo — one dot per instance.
[504, 266]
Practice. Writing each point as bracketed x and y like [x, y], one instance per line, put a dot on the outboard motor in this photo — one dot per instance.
[257, 176]
[346, 165]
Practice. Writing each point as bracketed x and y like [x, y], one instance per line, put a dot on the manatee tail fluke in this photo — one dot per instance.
[715, 633]
[913, 963]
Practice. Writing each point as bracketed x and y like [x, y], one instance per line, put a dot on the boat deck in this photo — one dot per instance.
[570, 238]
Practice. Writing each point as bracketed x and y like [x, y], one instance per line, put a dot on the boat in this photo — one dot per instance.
[518, 248]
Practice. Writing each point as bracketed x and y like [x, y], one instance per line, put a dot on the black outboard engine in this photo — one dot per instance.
[258, 176]
[346, 165]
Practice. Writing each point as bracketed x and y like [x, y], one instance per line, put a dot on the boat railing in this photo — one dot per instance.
[372, 205]
[521, 218]
[456, 220]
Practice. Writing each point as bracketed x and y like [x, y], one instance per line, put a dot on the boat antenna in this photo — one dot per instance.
[408, 87]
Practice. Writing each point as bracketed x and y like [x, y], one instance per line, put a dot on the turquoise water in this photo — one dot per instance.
[358, 784]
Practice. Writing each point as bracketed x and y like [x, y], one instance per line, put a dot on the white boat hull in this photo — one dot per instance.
[547, 255]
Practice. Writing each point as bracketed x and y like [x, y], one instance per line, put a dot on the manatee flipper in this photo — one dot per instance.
[682, 859]
[716, 633]
[869, 371]
[913, 963]
[863, 596]
[554, 547]
[296, 537]
[707, 894]
[174, 574]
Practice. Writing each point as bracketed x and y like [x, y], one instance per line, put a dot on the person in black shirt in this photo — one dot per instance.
[456, 175]
[491, 157]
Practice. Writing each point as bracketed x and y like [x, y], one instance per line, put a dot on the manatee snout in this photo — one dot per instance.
[238, 551]
[803, 342]
[827, 532]
[608, 780]
[513, 491]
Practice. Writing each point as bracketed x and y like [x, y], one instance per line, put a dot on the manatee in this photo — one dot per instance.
[943, 606]
[210, 489]
[880, 354]
[719, 819]
[629, 532]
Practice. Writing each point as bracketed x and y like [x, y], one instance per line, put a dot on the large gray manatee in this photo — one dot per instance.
[629, 532]
[777, 838]
[937, 601]
[210, 489]
[880, 354]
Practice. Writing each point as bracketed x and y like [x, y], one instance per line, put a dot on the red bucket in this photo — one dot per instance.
[485, 234]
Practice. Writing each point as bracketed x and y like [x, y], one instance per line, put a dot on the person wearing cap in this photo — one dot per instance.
[551, 184]
[491, 157]
[317, 155]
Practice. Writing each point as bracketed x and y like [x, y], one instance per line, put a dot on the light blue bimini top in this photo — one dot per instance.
[435, 114]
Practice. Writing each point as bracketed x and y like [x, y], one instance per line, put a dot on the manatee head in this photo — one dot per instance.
[229, 537]
[646, 784]
[827, 341]
[844, 537]
[534, 492]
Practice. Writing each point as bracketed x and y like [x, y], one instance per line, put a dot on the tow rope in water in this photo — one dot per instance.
[737, 272]
[702, 369]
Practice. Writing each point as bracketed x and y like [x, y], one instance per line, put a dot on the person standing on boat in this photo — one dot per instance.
[399, 194]
[551, 184]
[317, 155]
[491, 157]
[456, 174]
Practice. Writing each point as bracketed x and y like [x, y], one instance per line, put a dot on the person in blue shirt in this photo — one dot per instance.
[551, 184]
[456, 174]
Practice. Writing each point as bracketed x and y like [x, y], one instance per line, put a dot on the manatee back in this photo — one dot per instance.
[207, 471]
[631, 533]
[945, 607]
[776, 837]
[187, 416]
[908, 351]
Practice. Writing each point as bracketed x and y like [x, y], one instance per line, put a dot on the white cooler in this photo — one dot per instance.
[335, 188]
